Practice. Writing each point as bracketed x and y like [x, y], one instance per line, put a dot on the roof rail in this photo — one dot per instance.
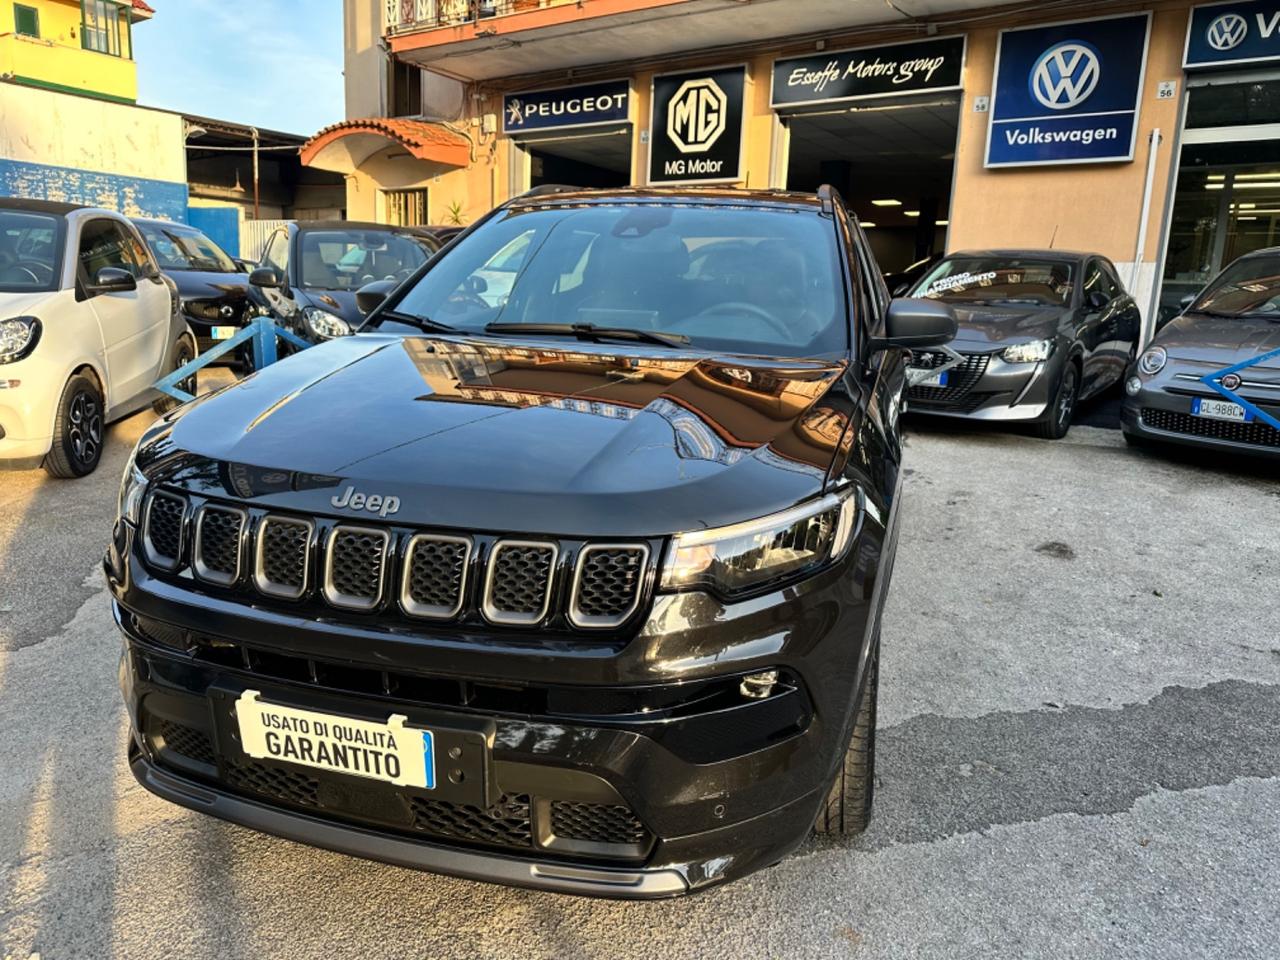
[546, 188]
[827, 194]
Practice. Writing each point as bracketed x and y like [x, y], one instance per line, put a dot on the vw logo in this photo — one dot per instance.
[1066, 74]
[696, 116]
[1227, 31]
[1232, 381]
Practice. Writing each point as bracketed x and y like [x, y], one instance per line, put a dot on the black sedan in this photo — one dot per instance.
[213, 287]
[1039, 331]
[1226, 335]
[310, 271]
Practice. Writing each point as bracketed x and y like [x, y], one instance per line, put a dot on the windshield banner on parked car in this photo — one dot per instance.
[917, 67]
[1219, 34]
[1068, 92]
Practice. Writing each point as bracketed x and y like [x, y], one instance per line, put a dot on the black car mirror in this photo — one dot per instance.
[112, 280]
[371, 295]
[910, 323]
[266, 277]
[1096, 300]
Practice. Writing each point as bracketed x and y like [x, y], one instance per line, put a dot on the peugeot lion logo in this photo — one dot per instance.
[696, 116]
[1065, 75]
[1227, 31]
[515, 113]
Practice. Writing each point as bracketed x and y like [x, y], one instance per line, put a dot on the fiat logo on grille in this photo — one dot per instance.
[1232, 381]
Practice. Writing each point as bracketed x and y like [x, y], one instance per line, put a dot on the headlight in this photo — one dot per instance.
[1153, 361]
[133, 485]
[740, 558]
[18, 337]
[1032, 352]
[325, 324]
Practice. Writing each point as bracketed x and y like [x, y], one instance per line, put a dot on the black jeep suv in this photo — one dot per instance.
[565, 571]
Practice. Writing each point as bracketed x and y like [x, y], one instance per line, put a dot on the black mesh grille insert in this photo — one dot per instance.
[355, 566]
[519, 580]
[187, 741]
[1258, 433]
[505, 824]
[608, 582]
[290, 786]
[960, 379]
[435, 575]
[217, 550]
[164, 527]
[283, 556]
[596, 822]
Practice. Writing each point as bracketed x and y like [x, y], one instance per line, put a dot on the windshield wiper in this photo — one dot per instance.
[589, 331]
[422, 323]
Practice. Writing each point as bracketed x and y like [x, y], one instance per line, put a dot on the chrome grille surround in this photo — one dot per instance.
[414, 607]
[337, 560]
[497, 579]
[261, 580]
[200, 566]
[597, 621]
[154, 555]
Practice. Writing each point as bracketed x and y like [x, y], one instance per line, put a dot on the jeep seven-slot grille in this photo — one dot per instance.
[961, 379]
[371, 568]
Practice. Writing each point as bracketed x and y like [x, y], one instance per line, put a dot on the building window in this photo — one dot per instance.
[26, 20]
[406, 208]
[405, 83]
[105, 27]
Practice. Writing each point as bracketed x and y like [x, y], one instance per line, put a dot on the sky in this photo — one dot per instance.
[275, 64]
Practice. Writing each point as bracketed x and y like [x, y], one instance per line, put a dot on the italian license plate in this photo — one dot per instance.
[923, 378]
[225, 333]
[1220, 410]
[390, 752]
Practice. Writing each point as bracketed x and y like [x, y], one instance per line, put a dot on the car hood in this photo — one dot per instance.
[18, 304]
[1221, 341]
[982, 325]
[200, 285]
[536, 437]
[340, 302]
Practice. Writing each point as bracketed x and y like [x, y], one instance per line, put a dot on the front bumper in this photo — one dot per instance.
[1161, 411]
[694, 796]
[986, 387]
[26, 413]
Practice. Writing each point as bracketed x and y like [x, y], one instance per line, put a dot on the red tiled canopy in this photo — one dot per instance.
[345, 146]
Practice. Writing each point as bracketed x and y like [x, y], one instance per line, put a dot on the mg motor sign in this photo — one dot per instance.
[1068, 92]
[1223, 34]
[588, 105]
[696, 126]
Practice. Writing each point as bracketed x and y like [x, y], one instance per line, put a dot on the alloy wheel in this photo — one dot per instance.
[84, 427]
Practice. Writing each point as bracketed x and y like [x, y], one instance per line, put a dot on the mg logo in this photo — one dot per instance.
[696, 116]
[1066, 74]
[1227, 31]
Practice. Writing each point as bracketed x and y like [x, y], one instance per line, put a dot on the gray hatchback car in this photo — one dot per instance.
[1234, 320]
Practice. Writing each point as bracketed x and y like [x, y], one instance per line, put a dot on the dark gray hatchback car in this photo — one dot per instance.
[1233, 321]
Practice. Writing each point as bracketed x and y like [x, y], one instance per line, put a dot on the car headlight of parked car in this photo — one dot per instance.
[133, 486]
[1153, 361]
[18, 337]
[324, 324]
[1032, 352]
[738, 559]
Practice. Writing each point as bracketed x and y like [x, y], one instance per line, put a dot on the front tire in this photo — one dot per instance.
[183, 353]
[1062, 408]
[847, 809]
[78, 430]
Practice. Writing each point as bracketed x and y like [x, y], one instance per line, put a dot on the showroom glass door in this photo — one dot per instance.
[1227, 199]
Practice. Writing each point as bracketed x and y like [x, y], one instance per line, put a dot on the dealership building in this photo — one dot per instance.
[1148, 132]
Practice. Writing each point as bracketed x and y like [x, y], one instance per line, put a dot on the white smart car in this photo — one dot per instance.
[87, 325]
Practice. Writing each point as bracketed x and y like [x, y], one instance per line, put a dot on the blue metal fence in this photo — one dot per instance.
[262, 332]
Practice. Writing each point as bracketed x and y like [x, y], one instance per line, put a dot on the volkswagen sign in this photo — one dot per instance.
[1227, 31]
[1242, 32]
[1065, 75]
[696, 127]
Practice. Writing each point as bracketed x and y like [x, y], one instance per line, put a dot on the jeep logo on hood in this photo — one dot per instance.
[375, 503]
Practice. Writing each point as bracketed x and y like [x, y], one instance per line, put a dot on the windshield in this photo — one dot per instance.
[740, 279]
[30, 251]
[1248, 288]
[348, 259]
[182, 248]
[998, 280]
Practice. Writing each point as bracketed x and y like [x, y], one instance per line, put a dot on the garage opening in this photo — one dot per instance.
[893, 163]
[596, 159]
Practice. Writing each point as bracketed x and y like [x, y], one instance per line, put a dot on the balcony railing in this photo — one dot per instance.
[407, 15]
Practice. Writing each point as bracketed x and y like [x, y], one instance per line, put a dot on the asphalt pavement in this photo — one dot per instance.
[1078, 752]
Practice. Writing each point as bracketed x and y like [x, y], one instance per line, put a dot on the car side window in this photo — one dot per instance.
[276, 254]
[1112, 280]
[104, 244]
[1094, 281]
[136, 251]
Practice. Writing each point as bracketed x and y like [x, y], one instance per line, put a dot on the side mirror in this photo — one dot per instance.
[1096, 300]
[371, 295]
[265, 277]
[112, 280]
[911, 323]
